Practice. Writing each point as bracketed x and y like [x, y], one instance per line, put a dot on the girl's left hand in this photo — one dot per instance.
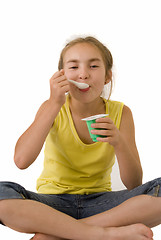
[108, 129]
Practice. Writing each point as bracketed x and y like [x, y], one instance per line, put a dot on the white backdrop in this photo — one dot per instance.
[32, 34]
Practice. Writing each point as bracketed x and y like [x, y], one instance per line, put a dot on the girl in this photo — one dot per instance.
[74, 199]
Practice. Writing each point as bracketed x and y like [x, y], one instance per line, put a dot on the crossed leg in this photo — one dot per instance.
[141, 209]
[34, 217]
[131, 232]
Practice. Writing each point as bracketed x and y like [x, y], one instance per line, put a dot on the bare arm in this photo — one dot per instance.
[123, 141]
[127, 153]
[31, 142]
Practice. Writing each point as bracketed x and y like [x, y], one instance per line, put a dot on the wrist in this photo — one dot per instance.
[56, 102]
[53, 104]
[52, 108]
[119, 143]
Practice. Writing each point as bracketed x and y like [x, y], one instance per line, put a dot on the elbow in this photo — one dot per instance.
[20, 162]
[134, 182]
[139, 180]
[134, 185]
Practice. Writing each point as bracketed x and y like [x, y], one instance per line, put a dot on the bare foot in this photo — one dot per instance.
[40, 236]
[131, 232]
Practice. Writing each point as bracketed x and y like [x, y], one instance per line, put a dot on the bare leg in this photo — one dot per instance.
[41, 236]
[34, 217]
[132, 232]
[140, 209]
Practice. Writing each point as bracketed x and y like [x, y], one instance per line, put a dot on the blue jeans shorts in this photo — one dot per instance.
[80, 206]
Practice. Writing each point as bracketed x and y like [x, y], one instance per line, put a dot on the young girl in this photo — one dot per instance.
[74, 199]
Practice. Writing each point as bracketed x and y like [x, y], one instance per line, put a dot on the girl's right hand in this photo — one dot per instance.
[59, 85]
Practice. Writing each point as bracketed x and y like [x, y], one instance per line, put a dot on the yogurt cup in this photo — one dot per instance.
[89, 121]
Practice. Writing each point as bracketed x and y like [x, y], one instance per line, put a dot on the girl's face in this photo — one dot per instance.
[83, 63]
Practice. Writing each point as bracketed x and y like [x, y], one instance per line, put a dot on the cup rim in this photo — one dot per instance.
[94, 117]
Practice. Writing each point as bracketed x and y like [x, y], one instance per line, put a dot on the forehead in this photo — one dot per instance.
[82, 51]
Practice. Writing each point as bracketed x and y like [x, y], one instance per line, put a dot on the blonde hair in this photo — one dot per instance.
[104, 51]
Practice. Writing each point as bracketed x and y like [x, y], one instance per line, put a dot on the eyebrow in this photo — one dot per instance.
[90, 60]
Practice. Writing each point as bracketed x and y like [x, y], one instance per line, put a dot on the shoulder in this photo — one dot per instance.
[113, 102]
[123, 114]
[115, 110]
[115, 106]
[126, 112]
[127, 118]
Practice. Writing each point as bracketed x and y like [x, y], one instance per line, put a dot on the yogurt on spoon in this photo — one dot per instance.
[79, 85]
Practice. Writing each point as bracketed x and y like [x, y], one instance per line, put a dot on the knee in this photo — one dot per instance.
[4, 207]
[8, 209]
[4, 210]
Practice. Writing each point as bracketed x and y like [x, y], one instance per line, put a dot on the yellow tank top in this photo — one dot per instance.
[72, 167]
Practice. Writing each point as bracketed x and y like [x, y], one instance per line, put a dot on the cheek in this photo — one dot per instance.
[69, 74]
[99, 83]
[65, 71]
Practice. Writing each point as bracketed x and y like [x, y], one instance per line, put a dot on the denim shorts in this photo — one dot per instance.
[80, 206]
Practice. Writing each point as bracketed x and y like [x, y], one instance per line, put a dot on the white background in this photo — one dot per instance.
[32, 34]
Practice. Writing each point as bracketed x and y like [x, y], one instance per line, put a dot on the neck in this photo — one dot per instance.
[87, 109]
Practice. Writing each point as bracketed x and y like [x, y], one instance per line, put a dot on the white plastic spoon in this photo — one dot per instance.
[79, 85]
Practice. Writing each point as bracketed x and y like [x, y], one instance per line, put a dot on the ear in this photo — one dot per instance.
[108, 77]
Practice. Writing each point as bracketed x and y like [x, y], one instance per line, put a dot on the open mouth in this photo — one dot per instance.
[85, 89]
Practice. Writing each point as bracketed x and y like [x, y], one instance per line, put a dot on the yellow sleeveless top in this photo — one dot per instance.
[72, 167]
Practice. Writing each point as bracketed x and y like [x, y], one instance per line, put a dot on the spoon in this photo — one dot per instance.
[78, 84]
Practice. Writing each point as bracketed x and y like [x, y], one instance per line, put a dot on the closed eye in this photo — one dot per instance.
[73, 67]
[94, 66]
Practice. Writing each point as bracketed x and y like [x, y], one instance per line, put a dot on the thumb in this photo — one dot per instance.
[62, 71]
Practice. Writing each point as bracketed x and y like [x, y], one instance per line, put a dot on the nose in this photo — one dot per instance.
[83, 74]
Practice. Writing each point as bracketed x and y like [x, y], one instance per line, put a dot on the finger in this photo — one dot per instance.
[102, 132]
[56, 74]
[102, 125]
[60, 87]
[105, 119]
[64, 89]
[63, 83]
[62, 71]
[58, 80]
[103, 139]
